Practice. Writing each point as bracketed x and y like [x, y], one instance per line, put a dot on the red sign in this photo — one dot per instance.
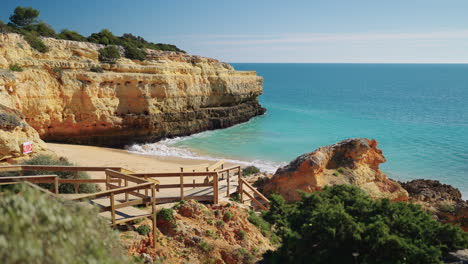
[27, 147]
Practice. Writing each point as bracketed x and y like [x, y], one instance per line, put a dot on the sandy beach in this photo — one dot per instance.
[100, 156]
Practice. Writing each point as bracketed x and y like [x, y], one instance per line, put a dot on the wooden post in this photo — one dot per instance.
[126, 193]
[241, 187]
[227, 189]
[181, 186]
[153, 211]
[193, 184]
[56, 186]
[215, 188]
[76, 184]
[112, 208]
[107, 181]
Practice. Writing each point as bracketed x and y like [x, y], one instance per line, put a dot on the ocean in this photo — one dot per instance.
[417, 112]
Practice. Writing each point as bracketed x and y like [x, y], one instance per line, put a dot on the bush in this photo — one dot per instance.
[228, 216]
[242, 234]
[64, 187]
[96, 69]
[70, 35]
[42, 29]
[9, 121]
[16, 67]
[35, 42]
[219, 223]
[35, 228]
[143, 230]
[166, 214]
[250, 170]
[345, 225]
[263, 226]
[109, 54]
[205, 246]
[134, 53]
[3, 27]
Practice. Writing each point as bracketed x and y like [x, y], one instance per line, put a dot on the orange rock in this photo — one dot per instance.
[352, 161]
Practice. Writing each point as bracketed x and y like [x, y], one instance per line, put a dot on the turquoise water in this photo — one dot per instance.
[417, 112]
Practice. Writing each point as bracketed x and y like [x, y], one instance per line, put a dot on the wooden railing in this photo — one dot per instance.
[76, 169]
[111, 194]
[183, 184]
[242, 184]
[33, 179]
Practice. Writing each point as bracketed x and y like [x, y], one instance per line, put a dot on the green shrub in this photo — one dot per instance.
[336, 174]
[166, 214]
[242, 234]
[57, 70]
[342, 221]
[143, 230]
[219, 223]
[35, 42]
[205, 246]
[35, 228]
[341, 170]
[64, 187]
[9, 121]
[250, 170]
[96, 69]
[109, 54]
[16, 67]
[134, 53]
[228, 216]
[42, 29]
[70, 35]
[263, 226]
[3, 27]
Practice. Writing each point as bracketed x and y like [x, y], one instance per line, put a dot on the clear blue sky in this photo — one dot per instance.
[417, 31]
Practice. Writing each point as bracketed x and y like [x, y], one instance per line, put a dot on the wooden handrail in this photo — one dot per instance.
[215, 166]
[115, 191]
[32, 177]
[128, 177]
[254, 190]
[66, 168]
[173, 174]
[192, 168]
[228, 169]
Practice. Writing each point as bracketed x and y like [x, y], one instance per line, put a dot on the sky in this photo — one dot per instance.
[293, 31]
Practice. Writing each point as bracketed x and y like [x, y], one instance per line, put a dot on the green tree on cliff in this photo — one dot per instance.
[342, 224]
[24, 16]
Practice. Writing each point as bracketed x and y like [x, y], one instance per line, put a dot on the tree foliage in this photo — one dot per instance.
[70, 35]
[24, 16]
[35, 228]
[342, 224]
[109, 54]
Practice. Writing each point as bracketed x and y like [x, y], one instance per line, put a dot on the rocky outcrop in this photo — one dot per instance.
[66, 99]
[352, 161]
[443, 201]
[14, 131]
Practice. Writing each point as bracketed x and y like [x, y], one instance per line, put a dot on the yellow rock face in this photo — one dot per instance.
[169, 94]
[13, 133]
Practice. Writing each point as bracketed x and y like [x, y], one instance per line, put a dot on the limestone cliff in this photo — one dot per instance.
[351, 161]
[66, 99]
[14, 131]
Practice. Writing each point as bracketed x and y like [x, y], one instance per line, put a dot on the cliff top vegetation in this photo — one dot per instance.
[25, 21]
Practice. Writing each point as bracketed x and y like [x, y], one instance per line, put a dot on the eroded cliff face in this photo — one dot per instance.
[170, 94]
[352, 161]
[14, 131]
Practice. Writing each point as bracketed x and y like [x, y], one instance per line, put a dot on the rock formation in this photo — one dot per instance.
[14, 131]
[202, 234]
[352, 161]
[66, 98]
[443, 201]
